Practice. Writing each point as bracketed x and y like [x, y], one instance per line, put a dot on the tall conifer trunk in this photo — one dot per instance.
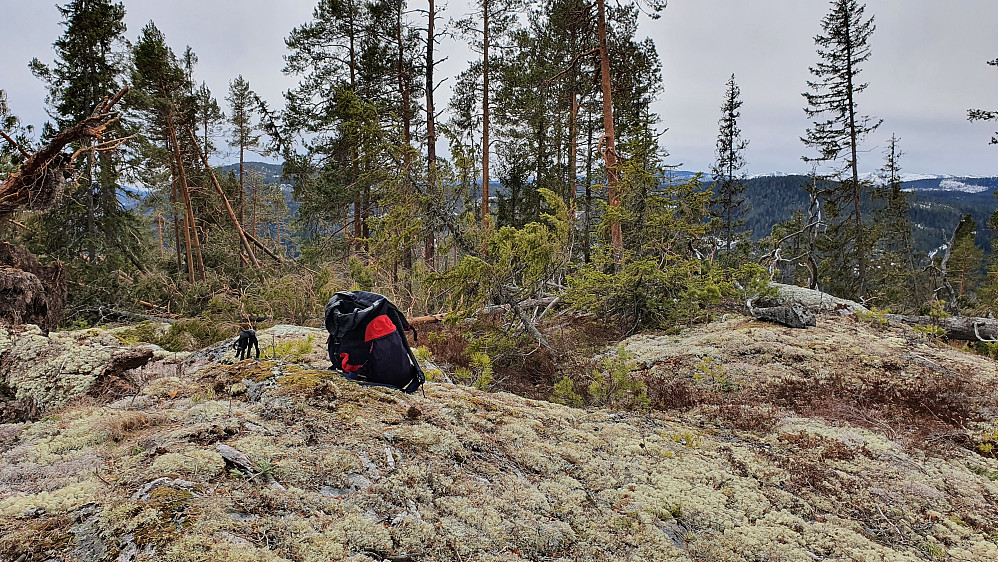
[485, 113]
[609, 152]
[431, 135]
[405, 87]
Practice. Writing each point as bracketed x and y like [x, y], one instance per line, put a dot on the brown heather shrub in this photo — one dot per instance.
[759, 418]
[34, 540]
[447, 344]
[118, 426]
[678, 394]
[927, 405]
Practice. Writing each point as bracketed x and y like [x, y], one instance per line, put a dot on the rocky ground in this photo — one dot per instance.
[846, 441]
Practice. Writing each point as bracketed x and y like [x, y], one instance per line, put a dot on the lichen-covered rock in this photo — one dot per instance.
[367, 473]
[48, 370]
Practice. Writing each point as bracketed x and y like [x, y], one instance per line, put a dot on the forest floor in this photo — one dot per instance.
[846, 441]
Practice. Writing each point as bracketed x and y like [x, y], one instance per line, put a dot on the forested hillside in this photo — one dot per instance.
[581, 198]
[605, 377]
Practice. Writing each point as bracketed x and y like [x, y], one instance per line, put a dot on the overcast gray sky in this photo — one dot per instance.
[927, 68]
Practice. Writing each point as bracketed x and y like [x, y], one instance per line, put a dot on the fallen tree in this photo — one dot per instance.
[41, 180]
[29, 292]
[965, 328]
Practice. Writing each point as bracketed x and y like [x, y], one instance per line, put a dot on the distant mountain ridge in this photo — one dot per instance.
[937, 201]
[936, 205]
[271, 172]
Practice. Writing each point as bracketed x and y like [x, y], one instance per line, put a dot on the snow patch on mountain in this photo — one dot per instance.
[955, 185]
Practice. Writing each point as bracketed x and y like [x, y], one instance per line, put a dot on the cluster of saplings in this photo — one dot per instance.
[587, 216]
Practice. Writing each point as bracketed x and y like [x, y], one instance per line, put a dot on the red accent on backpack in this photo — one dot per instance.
[346, 366]
[379, 327]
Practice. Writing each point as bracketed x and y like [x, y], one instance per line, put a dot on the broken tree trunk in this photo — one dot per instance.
[239, 229]
[190, 229]
[524, 304]
[265, 249]
[966, 328]
[39, 183]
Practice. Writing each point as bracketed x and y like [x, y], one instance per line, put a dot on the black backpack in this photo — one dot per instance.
[367, 341]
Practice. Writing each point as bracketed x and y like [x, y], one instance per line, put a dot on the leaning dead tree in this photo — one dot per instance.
[41, 180]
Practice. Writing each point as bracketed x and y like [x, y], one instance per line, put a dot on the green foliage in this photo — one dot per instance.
[966, 259]
[987, 443]
[295, 350]
[729, 205]
[478, 374]
[362, 278]
[518, 261]
[874, 315]
[660, 292]
[711, 370]
[836, 129]
[895, 279]
[564, 393]
[612, 384]
[143, 332]
[190, 334]
[937, 312]
[291, 296]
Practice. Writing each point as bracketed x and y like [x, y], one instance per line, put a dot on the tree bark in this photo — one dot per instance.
[485, 113]
[260, 245]
[192, 245]
[405, 89]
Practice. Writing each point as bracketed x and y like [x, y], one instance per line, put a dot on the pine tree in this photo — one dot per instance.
[244, 130]
[160, 101]
[496, 19]
[729, 205]
[843, 46]
[344, 57]
[966, 258]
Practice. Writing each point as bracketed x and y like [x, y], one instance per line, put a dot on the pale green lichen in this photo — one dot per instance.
[463, 474]
[192, 463]
[61, 500]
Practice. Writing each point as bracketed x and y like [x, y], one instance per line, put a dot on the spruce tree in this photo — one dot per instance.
[210, 117]
[87, 68]
[894, 282]
[729, 206]
[835, 133]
